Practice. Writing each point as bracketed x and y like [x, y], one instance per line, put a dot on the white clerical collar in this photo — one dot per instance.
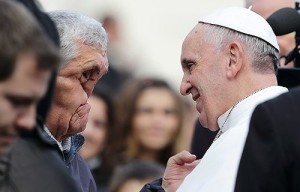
[247, 105]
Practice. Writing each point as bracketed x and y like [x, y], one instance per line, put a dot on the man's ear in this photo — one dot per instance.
[235, 63]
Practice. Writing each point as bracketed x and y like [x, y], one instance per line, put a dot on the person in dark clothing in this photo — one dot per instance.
[37, 166]
[99, 137]
[271, 156]
[202, 139]
[28, 57]
[49, 28]
[114, 81]
[84, 52]
[130, 177]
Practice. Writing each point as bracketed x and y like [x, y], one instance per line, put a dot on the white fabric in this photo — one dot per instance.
[50, 134]
[63, 146]
[217, 170]
[242, 20]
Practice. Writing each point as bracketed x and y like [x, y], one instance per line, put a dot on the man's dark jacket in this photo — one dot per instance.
[271, 158]
[35, 163]
[78, 168]
[36, 166]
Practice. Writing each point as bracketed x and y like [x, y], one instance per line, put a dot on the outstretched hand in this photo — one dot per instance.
[178, 167]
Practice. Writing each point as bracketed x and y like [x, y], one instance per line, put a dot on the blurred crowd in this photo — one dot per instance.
[74, 118]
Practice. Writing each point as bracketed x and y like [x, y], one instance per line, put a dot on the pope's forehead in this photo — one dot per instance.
[194, 34]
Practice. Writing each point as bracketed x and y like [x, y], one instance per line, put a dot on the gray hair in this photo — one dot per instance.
[265, 58]
[74, 27]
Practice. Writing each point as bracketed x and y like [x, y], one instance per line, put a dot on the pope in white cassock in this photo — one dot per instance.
[229, 62]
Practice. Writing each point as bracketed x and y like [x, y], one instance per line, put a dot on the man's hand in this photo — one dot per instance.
[178, 167]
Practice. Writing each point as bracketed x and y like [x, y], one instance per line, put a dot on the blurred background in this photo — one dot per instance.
[148, 34]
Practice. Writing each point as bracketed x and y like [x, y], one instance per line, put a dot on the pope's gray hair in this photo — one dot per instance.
[74, 27]
[265, 58]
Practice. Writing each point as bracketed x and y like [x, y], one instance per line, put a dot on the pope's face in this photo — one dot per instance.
[203, 76]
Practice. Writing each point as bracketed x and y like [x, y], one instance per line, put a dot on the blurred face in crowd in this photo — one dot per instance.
[96, 129]
[75, 82]
[156, 119]
[265, 8]
[204, 76]
[19, 96]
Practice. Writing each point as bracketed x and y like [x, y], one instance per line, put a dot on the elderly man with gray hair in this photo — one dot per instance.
[83, 48]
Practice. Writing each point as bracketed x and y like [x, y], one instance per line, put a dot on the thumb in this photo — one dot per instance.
[182, 158]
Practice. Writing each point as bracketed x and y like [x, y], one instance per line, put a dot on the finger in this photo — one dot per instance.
[182, 158]
[192, 165]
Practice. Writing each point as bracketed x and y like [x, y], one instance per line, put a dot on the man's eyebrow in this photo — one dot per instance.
[93, 66]
[90, 67]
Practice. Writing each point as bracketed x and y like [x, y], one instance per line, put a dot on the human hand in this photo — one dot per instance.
[178, 167]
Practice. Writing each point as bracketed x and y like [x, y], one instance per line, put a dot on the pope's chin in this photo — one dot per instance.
[203, 124]
[203, 120]
[206, 124]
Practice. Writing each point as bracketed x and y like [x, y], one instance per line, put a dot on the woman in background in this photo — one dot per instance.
[151, 117]
[98, 136]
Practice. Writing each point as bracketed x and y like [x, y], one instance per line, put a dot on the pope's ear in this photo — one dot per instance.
[234, 64]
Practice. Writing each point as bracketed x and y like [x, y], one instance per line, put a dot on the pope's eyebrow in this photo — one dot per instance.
[185, 62]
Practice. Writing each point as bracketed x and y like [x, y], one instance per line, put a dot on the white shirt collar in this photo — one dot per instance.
[247, 105]
[65, 145]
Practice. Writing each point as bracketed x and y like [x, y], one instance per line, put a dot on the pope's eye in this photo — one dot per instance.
[189, 66]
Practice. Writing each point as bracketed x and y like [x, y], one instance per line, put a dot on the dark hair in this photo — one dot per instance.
[137, 170]
[106, 156]
[21, 33]
[50, 29]
[101, 93]
[127, 108]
